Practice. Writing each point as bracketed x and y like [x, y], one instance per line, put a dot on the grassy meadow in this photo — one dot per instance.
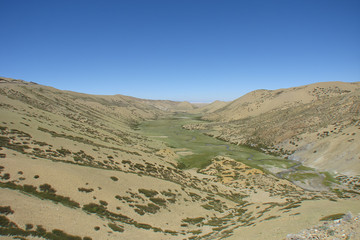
[197, 149]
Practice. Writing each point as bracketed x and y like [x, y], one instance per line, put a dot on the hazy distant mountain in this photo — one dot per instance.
[210, 108]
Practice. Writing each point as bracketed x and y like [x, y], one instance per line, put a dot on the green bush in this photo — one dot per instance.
[193, 220]
[6, 210]
[148, 193]
[114, 178]
[150, 208]
[87, 190]
[29, 226]
[95, 208]
[159, 201]
[332, 217]
[29, 188]
[115, 227]
[47, 188]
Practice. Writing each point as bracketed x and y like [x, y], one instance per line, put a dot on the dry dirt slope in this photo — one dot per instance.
[261, 101]
[209, 108]
[72, 167]
[317, 124]
[81, 151]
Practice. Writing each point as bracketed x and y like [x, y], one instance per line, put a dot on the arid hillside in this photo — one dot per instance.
[78, 166]
[210, 108]
[261, 101]
[317, 124]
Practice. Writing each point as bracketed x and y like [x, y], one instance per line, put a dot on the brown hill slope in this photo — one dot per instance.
[69, 154]
[262, 101]
[210, 108]
[317, 124]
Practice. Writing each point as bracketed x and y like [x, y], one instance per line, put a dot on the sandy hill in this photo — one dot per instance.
[261, 101]
[170, 106]
[210, 108]
[317, 124]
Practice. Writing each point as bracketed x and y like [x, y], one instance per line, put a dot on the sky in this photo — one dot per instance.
[194, 50]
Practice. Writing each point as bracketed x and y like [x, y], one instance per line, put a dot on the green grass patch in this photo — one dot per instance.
[204, 147]
[329, 179]
[301, 176]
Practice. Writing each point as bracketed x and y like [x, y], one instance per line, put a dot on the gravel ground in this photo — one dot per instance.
[346, 228]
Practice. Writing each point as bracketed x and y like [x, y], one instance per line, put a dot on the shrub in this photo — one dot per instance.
[94, 208]
[168, 194]
[66, 201]
[150, 208]
[40, 229]
[6, 176]
[5, 222]
[47, 188]
[114, 178]
[193, 220]
[29, 188]
[29, 226]
[6, 210]
[160, 201]
[115, 227]
[148, 193]
[332, 217]
[87, 190]
[142, 225]
[59, 234]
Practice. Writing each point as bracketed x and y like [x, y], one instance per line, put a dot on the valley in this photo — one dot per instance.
[79, 166]
[196, 150]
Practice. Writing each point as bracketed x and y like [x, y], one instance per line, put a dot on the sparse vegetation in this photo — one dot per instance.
[115, 227]
[9, 228]
[114, 178]
[87, 190]
[332, 217]
[148, 193]
[149, 208]
[193, 220]
[47, 193]
[6, 210]
[159, 201]
[100, 137]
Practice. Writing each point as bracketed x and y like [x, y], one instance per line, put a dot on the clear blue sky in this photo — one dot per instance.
[196, 50]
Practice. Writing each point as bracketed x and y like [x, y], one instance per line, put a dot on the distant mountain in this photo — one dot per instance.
[210, 108]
